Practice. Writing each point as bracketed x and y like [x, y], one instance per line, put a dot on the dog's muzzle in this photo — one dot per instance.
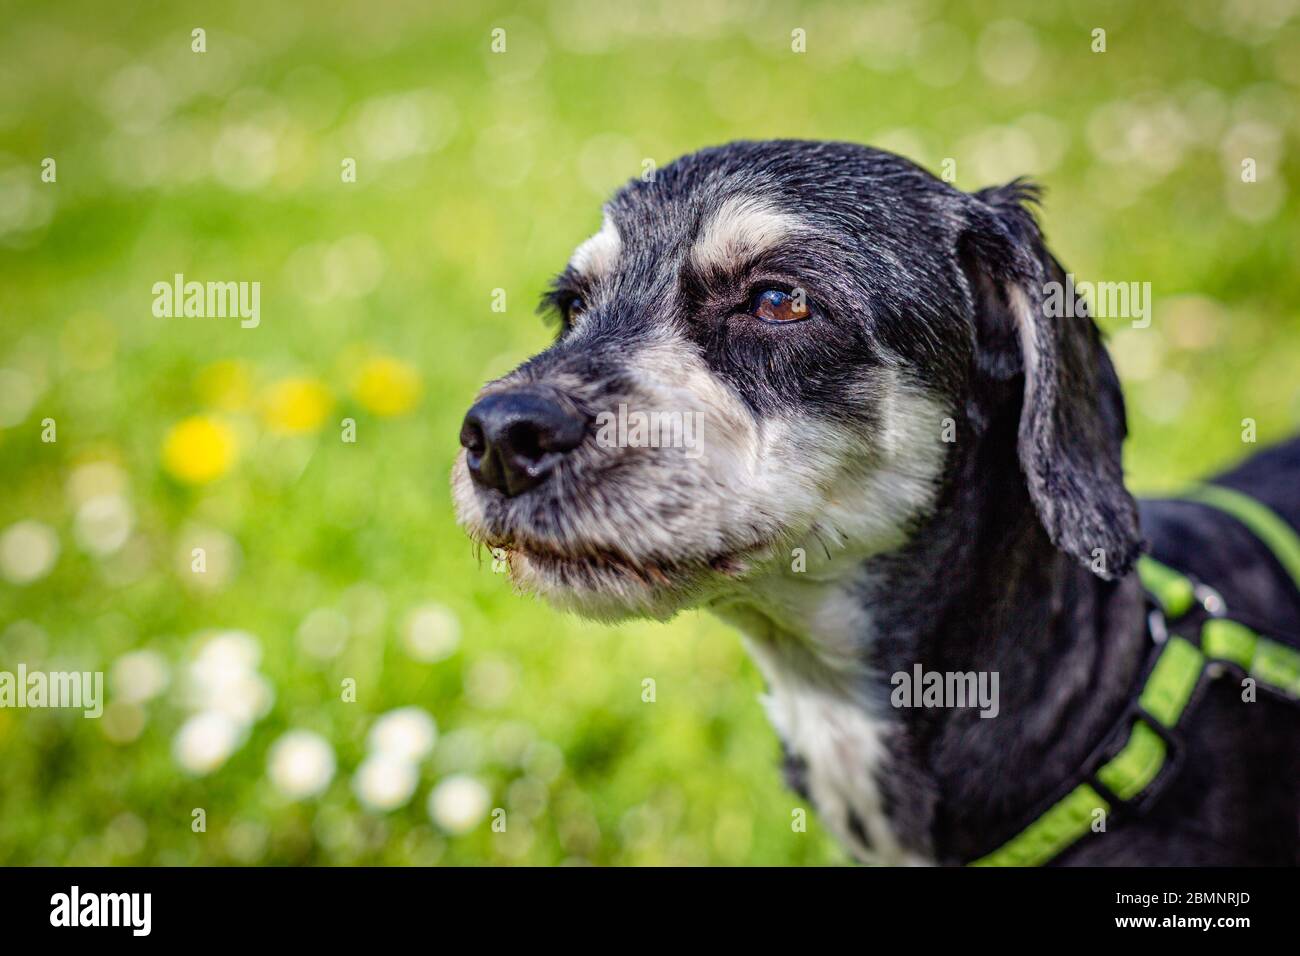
[513, 440]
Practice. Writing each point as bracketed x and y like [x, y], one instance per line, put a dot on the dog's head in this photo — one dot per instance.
[770, 347]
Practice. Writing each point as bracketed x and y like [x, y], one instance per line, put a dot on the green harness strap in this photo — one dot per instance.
[1169, 687]
[1280, 537]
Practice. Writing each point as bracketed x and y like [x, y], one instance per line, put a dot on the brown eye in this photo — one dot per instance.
[777, 306]
[573, 308]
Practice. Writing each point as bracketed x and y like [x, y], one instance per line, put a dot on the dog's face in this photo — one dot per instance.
[764, 357]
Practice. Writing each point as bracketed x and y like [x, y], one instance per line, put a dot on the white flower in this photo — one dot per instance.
[243, 696]
[28, 550]
[231, 651]
[138, 676]
[385, 782]
[224, 677]
[432, 633]
[93, 479]
[459, 803]
[223, 688]
[407, 733]
[301, 764]
[206, 741]
[103, 524]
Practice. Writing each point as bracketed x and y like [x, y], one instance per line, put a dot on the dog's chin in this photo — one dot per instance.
[613, 588]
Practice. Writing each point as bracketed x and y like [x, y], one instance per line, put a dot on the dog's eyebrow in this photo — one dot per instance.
[598, 254]
[742, 228]
[563, 287]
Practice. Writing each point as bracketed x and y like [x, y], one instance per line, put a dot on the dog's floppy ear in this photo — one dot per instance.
[1072, 422]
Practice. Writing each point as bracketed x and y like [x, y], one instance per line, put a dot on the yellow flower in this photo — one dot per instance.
[199, 449]
[386, 386]
[295, 405]
[226, 385]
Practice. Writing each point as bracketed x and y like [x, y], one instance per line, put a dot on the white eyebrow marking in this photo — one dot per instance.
[744, 226]
[597, 254]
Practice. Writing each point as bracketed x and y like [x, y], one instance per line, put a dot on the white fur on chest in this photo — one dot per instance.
[814, 701]
[843, 750]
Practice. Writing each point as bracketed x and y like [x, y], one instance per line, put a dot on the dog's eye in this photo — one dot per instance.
[572, 308]
[778, 306]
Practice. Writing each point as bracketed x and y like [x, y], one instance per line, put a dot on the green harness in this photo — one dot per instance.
[1181, 663]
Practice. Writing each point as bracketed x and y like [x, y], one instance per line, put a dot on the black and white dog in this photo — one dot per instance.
[902, 458]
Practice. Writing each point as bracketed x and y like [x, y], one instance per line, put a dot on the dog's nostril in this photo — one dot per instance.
[514, 439]
[525, 439]
[471, 436]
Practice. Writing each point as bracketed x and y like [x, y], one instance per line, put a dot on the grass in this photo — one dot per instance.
[477, 172]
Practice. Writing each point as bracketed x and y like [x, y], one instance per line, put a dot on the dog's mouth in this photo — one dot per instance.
[610, 584]
[603, 553]
[584, 562]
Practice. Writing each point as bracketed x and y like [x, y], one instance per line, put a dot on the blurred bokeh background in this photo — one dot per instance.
[201, 531]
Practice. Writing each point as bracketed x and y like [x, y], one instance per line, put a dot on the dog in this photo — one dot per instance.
[904, 460]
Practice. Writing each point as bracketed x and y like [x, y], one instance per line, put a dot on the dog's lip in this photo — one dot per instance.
[658, 569]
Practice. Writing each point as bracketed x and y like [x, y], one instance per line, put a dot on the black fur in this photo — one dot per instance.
[1023, 565]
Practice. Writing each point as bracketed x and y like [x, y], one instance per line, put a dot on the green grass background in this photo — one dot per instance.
[222, 165]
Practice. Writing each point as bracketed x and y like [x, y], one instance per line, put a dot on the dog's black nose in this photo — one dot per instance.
[514, 439]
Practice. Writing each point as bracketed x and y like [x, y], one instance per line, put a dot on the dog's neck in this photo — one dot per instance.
[979, 587]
